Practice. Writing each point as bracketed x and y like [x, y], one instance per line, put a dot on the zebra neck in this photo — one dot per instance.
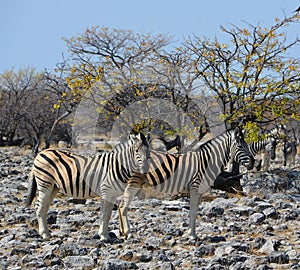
[215, 155]
[259, 145]
[124, 163]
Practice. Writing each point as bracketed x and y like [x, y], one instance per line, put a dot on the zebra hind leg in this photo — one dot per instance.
[45, 197]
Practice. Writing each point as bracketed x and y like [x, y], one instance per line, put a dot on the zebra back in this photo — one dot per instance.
[75, 175]
[269, 142]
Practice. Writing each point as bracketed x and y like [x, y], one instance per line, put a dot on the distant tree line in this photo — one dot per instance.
[252, 77]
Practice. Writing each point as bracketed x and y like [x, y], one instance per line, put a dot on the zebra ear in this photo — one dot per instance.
[144, 139]
[149, 139]
[238, 133]
[133, 136]
[138, 136]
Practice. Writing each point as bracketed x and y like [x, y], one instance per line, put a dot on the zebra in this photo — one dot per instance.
[267, 146]
[193, 172]
[289, 152]
[80, 177]
[231, 181]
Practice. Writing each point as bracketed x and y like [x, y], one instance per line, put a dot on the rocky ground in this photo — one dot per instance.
[260, 230]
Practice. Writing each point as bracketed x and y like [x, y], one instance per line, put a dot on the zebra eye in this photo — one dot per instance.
[137, 149]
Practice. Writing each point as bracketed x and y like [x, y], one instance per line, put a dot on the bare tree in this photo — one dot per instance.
[18, 90]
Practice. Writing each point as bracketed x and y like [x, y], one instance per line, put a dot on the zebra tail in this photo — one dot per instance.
[31, 189]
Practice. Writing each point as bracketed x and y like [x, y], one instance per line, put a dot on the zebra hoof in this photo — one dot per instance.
[193, 238]
[126, 235]
[129, 236]
[46, 236]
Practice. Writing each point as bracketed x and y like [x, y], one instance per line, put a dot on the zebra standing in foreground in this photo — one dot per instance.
[80, 177]
[193, 172]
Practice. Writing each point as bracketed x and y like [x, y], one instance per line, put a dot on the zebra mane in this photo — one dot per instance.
[130, 142]
[224, 134]
[122, 146]
[277, 131]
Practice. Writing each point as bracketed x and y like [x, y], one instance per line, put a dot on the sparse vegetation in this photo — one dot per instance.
[253, 78]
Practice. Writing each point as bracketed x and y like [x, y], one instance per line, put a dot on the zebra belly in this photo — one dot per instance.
[85, 193]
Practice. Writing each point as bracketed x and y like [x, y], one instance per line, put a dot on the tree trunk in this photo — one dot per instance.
[48, 138]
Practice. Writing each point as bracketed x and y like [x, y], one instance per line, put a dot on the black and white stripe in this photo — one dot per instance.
[289, 152]
[81, 177]
[267, 147]
[193, 172]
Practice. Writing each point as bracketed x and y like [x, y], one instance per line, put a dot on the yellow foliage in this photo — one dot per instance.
[292, 68]
[246, 32]
[252, 130]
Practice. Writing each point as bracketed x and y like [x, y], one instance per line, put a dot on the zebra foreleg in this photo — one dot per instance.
[128, 196]
[106, 210]
[194, 205]
[265, 161]
[45, 197]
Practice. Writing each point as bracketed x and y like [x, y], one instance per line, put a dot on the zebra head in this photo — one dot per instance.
[140, 153]
[279, 132]
[239, 150]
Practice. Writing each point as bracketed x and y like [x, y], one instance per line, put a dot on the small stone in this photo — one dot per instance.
[267, 248]
[217, 239]
[257, 218]
[215, 211]
[224, 251]
[270, 212]
[127, 256]
[153, 243]
[278, 257]
[162, 212]
[242, 210]
[52, 218]
[71, 250]
[112, 235]
[20, 251]
[82, 261]
[165, 266]
[261, 206]
[204, 250]
[145, 258]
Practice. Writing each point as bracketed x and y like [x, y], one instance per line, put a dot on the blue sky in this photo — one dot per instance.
[32, 30]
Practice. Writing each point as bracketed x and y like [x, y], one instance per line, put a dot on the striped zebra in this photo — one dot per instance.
[80, 177]
[267, 146]
[231, 181]
[289, 152]
[193, 172]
